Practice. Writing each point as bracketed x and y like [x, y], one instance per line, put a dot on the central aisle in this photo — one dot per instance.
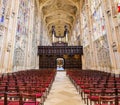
[63, 92]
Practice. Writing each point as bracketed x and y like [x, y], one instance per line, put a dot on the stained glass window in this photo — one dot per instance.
[3, 10]
[23, 17]
[98, 20]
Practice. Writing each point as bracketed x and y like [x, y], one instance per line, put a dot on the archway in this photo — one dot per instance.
[60, 63]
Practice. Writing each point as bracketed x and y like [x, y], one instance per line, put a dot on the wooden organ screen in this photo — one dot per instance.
[49, 54]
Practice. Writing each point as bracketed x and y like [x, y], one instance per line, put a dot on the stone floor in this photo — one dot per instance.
[63, 92]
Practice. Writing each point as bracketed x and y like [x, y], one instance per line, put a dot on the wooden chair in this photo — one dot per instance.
[107, 100]
[28, 99]
[14, 99]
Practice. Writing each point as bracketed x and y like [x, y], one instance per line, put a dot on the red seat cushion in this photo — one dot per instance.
[1, 95]
[1, 102]
[46, 85]
[31, 103]
[107, 98]
[82, 86]
[94, 98]
[13, 94]
[87, 91]
[39, 95]
[98, 91]
[43, 89]
[14, 103]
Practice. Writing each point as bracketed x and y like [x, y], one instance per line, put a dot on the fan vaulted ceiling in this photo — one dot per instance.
[59, 13]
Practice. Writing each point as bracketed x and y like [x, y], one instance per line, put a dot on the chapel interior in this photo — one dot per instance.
[59, 52]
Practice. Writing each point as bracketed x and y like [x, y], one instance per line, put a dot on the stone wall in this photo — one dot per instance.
[20, 30]
[99, 34]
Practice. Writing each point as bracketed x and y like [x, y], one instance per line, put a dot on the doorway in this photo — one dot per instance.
[60, 63]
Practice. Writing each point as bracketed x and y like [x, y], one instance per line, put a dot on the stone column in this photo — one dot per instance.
[30, 36]
[115, 35]
[8, 38]
[13, 27]
[109, 35]
[39, 32]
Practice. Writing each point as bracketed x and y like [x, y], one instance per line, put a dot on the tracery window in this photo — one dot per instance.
[3, 10]
[98, 20]
[23, 17]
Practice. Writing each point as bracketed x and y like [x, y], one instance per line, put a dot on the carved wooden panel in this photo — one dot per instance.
[51, 62]
[60, 50]
[49, 54]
